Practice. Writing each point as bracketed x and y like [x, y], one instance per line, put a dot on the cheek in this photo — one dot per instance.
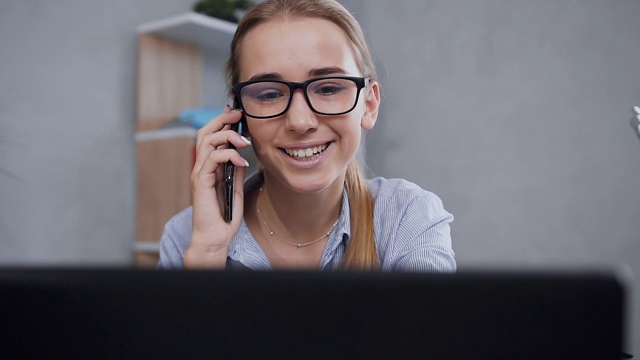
[261, 134]
[257, 129]
[351, 130]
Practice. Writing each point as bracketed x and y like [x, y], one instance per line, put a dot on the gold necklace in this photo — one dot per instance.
[299, 245]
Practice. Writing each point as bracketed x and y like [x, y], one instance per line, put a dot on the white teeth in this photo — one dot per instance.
[302, 153]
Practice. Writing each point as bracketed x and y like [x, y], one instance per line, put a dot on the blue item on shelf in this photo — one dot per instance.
[199, 117]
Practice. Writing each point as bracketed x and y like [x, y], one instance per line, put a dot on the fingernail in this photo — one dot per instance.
[246, 163]
[245, 140]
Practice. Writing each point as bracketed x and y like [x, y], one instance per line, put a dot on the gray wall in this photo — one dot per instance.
[67, 117]
[516, 113]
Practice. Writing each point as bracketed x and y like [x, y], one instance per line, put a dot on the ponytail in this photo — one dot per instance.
[361, 253]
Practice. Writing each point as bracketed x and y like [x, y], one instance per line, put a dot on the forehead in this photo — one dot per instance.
[294, 47]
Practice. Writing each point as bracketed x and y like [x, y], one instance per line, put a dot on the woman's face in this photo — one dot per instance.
[298, 49]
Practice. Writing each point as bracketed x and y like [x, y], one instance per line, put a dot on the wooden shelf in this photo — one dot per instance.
[166, 133]
[192, 28]
[170, 72]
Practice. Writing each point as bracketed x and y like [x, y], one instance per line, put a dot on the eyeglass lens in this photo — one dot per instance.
[328, 96]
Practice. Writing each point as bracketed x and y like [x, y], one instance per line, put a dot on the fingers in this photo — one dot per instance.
[220, 122]
[208, 187]
[214, 137]
[210, 230]
[213, 154]
[221, 157]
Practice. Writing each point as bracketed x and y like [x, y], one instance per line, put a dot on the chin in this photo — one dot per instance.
[308, 187]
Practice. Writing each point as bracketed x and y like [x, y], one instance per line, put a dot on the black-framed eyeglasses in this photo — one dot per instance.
[331, 95]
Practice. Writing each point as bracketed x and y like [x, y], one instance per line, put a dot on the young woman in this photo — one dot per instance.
[304, 79]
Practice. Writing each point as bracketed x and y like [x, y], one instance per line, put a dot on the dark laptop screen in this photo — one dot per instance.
[124, 313]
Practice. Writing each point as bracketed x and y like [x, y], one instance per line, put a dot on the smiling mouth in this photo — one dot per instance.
[308, 152]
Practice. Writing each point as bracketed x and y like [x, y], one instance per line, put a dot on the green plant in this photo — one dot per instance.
[222, 9]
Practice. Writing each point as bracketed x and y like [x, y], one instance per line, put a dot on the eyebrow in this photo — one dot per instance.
[327, 71]
[266, 76]
[332, 70]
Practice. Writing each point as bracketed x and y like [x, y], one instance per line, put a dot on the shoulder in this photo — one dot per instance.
[178, 228]
[175, 239]
[384, 186]
[412, 227]
[400, 192]
[180, 221]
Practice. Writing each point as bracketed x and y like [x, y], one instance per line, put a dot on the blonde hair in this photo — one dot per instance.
[361, 252]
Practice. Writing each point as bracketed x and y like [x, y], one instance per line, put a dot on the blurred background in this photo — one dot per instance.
[516, 113]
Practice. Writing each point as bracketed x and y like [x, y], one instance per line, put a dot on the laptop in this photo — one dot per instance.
[151, 314]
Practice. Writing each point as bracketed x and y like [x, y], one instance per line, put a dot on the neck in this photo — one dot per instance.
[300, 215]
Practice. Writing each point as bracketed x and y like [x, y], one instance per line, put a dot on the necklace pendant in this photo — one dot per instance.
[298, 245]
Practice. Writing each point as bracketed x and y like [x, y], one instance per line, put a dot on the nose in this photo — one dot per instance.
[300, 118]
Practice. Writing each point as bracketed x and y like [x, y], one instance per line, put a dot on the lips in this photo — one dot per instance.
[301, 153]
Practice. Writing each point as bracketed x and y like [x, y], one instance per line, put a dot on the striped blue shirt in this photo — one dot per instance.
[411, 229]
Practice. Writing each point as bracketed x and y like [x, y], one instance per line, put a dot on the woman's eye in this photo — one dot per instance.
[328, 89]
[268, 95]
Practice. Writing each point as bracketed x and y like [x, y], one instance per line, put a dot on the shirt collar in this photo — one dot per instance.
[243, 247]
[341, 234]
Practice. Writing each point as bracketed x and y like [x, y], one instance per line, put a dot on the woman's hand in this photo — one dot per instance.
[211, 233]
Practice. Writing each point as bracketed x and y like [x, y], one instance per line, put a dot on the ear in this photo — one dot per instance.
[372, 103]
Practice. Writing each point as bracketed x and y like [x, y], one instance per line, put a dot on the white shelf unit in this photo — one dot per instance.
[193, 28]
[163, 92]
[165, 134]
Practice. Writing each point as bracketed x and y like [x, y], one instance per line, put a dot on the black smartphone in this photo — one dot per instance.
[230, 169]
